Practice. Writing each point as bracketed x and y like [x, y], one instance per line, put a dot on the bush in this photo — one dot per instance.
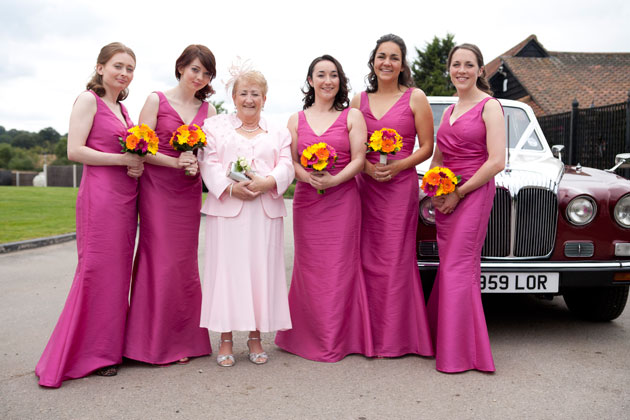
[21, 160]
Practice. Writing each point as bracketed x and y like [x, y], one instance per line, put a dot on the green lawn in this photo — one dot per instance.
[32, 212]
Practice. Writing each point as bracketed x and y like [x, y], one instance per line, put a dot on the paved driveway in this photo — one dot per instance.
[550, 365]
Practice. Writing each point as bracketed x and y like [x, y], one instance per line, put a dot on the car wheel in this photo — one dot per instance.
[597, 303]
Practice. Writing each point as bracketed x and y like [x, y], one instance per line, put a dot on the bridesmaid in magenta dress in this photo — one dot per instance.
[90, 331]
[163, 322]
[327, 299]
[389, 204]
[470, 142]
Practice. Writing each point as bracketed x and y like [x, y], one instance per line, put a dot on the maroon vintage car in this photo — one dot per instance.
[554, 230]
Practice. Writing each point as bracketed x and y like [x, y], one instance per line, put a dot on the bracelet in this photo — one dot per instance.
[459, 194]
[231, 185]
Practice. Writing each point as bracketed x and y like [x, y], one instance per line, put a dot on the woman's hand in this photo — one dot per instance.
[322, 180]
[446, 203]
[241, 191]
[188, 161]
[259, 184]
[383, 173]
[134, 164]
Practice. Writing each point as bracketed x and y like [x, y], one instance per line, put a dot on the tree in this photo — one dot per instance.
[49, 135]
[6, 153]
[219, 107]
[429, 69]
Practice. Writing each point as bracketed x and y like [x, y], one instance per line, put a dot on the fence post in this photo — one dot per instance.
[74, 176]
[573, 133]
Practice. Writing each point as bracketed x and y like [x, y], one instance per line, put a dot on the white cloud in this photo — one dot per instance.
[49, 47]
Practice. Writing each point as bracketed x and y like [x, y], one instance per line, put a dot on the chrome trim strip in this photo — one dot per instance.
[524, 265]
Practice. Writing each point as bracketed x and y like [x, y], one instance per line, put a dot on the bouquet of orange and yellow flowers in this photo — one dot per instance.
[141, 140]
[318, 156]
[439, 181]
[385, 141]
[188, 138]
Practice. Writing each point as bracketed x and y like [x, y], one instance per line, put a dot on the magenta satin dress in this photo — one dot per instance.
[163, 322]
[456, 315]
[327, 298]
[90, 331]
[388, 244]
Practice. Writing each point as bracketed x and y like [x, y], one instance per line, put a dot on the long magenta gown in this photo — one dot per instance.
[456, 315]
[388, 244]
[90, 331]
[327, 299]
[163, 321]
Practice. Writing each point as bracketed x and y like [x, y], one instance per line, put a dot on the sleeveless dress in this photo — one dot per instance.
[163, 321]
[90, 331]
[389, 220]
[456, 315]
[327, 298]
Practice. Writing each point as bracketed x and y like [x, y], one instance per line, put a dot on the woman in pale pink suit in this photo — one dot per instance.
[244, 285]
[327, 299]
[90, 331]
[389, 203]
[470, 142]
[163, 321]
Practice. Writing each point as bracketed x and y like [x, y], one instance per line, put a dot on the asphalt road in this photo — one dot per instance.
[549, 365]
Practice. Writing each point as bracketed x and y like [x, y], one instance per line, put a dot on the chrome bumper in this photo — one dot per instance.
[534, 266]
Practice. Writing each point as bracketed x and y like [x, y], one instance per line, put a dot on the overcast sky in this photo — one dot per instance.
[49, 48]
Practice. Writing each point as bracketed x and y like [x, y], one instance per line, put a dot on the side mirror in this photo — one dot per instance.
[622, 160]
[556, 151]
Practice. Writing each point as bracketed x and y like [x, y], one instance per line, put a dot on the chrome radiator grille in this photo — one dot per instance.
[524, 226]
[536, 217]
[497, 242]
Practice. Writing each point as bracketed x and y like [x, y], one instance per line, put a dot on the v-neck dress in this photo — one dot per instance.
[327, 298]
[389, 219]
[165, 306]
[456, 314]
[90, 331]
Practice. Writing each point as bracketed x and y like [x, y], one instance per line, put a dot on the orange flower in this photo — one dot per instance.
[433, 178]
[447, 186]
[131, 141]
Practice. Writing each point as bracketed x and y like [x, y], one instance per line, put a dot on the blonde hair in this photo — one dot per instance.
[253, 76]
[107, 52]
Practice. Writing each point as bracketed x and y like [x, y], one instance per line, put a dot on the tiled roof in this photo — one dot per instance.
[591, 78]
[493, 65]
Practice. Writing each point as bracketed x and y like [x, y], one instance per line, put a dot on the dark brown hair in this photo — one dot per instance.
[107, 52]
[341, 98]
[206, 57]
[404, 78]
[482, 83]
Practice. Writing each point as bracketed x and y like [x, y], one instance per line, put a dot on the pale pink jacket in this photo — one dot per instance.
[269, 154]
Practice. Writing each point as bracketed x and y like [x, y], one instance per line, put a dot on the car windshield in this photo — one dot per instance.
[521, 135]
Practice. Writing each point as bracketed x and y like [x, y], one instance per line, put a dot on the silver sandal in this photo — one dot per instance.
[256, 358]
[221, 358]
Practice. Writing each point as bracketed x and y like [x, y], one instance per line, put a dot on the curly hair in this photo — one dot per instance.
[206, 58]
[404, 78]
[341, 98]
[107, 52]
[482, 83]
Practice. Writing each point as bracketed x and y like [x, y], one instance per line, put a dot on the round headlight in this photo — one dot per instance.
[427, 212]
[581, 210]
[622, 211]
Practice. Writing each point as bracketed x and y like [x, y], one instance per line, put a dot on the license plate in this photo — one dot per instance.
[519, 282]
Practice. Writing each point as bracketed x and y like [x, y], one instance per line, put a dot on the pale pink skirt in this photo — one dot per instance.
[244, 286]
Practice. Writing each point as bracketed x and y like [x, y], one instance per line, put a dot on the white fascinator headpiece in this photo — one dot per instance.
[238, 68]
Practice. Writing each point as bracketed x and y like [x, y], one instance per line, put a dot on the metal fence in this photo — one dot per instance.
[591, 136]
